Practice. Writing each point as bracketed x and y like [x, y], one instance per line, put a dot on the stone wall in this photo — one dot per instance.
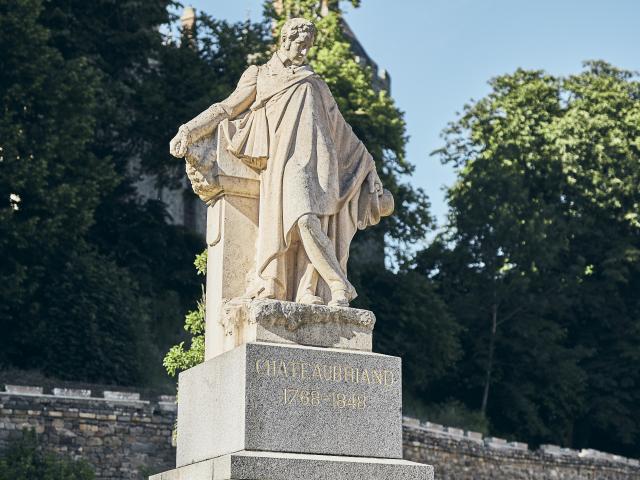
[463, 455]
[125, 438]
[120, 435]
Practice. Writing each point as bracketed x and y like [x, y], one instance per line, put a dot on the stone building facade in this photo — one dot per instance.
[125, 437]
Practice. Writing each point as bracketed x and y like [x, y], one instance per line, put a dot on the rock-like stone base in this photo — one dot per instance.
[248, 465]
[296, 323]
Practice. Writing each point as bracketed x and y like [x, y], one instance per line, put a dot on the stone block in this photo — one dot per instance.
[121, 396]
[434, 427]
[519, 446]
[72, 392]
[411, 422]
[168, 406]
[454, 432]
[251, 465]
[596, 454]
[298, 324]
[551, 449]
[23, 390]
[291, 399]
[475, 436]
[495, 442]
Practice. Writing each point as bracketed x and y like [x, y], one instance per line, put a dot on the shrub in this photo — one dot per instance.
[25, 460]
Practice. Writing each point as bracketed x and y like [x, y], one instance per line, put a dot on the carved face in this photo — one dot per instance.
[297, 46]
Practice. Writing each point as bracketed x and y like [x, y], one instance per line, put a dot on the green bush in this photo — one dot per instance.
[25, 460]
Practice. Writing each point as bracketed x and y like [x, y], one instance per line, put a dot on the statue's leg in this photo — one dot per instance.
[307, 287]
[322, 255]
[306, 282]
[266, 286]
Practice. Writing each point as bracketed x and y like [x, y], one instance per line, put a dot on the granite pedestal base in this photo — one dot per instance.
[278, 398]
[276, 408]
[247, 465]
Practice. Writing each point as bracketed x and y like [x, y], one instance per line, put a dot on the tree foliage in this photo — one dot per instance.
[83, 117]
[181, 357]
[51, 183]
[540, 258]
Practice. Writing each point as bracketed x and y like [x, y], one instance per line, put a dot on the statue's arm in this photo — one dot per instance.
[244, 94]
[341, 129]
[242, 97]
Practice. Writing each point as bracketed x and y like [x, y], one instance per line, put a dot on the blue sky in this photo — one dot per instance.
[441, 53]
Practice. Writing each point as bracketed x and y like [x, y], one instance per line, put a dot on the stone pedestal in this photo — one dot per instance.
[297, 324]
[270, 411]
[291, 399]
[232, 228]
[246, 465]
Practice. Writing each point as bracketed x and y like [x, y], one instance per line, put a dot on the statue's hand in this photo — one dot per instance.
[179, 144]
[375, 184]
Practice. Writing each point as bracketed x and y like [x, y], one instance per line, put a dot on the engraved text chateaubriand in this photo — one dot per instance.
[314, 384]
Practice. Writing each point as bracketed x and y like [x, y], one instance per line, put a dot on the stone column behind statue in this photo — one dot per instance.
[289, 386]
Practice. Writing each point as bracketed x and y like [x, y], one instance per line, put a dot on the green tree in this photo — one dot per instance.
[540, 257]
[124, 43]
[25, 460]
[52, 182]
[598, 142]
[181, 357]
[411, 322]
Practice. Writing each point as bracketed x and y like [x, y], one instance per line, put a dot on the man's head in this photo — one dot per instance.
[296, 38]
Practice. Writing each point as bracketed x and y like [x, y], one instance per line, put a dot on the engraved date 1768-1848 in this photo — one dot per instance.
[315, 398]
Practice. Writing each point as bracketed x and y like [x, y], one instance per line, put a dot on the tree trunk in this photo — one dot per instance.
[492, 347]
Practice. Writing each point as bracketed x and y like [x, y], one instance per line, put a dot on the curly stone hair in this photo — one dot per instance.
[292, 26]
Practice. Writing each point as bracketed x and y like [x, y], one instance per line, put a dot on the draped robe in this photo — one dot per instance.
[287, 125]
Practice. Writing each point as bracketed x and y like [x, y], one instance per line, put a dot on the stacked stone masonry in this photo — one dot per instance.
[464, 455]
[127, 438]
[121, 436]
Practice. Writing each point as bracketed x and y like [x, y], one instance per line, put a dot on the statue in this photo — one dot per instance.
[289, 381]
[317, 182]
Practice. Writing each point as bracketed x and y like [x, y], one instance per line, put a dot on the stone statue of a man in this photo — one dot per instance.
[318, 182]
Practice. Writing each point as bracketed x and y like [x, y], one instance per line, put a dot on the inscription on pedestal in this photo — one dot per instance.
[270, 397]
[340, 402]
[337, 384]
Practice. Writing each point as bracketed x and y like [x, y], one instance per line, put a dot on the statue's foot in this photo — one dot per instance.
[341, 296]
[265, 290]
[310, 299]
[339, 299]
